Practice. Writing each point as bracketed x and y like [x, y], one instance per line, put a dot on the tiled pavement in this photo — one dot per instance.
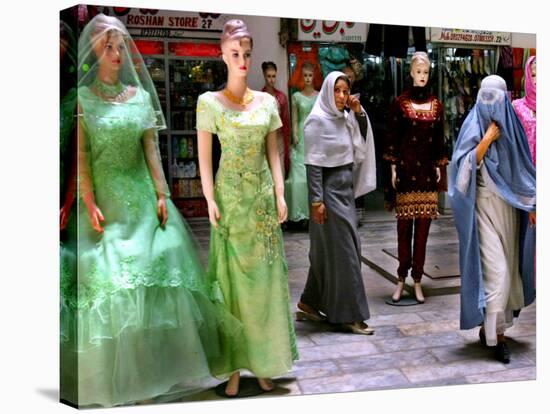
[413, 345]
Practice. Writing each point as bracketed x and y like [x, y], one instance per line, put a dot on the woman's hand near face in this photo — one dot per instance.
[493, 132]
[354, 104]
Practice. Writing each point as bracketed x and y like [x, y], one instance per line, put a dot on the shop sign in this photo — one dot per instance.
[331, 31]
[480, 37]
[170, 24]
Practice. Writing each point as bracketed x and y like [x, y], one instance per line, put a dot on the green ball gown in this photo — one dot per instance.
[138, 319]
[296, 192]
[246, 261]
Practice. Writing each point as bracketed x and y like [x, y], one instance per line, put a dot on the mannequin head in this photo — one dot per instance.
[350, 74]
[420, 69]
[533, 68]
[236, 45]
[270, 73]
[307, 74]
[110, 50]
[342, 88]
[109, 43]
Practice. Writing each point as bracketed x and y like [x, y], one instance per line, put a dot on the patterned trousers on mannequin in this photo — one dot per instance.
[407, 256]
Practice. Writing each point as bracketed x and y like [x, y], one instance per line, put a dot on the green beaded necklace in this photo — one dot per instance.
[108, 91]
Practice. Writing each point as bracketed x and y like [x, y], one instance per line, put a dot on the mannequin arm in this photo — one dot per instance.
[294, 121]
[152, 156]
[275, 166]
[285, 118]
[204, 139]
[85, 185]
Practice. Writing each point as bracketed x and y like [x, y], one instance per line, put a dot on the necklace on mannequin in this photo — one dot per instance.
[245, 100]
[116, 92]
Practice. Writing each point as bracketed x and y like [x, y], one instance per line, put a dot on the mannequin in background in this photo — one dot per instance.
[269, 70]
[296, 183]
[416, 154]
[246, 207]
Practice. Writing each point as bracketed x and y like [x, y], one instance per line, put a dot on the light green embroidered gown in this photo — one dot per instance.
[296, 183]
[137, 321]
[246, 259]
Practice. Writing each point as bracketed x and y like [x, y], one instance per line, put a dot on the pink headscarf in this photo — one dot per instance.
[530, 89]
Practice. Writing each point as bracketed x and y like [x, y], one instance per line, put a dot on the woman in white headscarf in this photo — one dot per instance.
[339, 157]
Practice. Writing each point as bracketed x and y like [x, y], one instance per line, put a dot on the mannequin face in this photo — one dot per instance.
[420, 72]
[237, 56]
[350, 74]
[110, 51]
[341, 94]
[270, 76]
[534, 72]
[308, 77]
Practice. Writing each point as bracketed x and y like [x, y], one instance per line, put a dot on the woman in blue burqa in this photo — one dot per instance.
[492, 194]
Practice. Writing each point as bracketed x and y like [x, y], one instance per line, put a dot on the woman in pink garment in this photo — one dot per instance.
[526, 110]
[526, 107]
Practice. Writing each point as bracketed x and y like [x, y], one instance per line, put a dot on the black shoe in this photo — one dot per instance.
[502, 353]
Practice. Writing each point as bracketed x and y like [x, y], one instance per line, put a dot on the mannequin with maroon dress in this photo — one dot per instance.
[416, 154]
[269, 70]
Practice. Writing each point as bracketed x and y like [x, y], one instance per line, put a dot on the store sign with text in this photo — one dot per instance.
[171, 24]
[331, 31]
[481, 37]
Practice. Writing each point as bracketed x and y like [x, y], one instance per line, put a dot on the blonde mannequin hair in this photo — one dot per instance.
[235, 29]
[420, 57]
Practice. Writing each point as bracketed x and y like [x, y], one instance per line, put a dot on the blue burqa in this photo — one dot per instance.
[510, 173]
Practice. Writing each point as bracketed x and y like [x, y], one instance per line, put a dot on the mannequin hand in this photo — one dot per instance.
[65, 212]
[492, 133]
[162, 213]
[282, 210]
[532, 219]
[213, 213]
[394, 176]
[354, 103]
[437, 174]
[319, 213]
[94, 213]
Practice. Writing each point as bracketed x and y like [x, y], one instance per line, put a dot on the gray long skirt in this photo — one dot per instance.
[334, 284]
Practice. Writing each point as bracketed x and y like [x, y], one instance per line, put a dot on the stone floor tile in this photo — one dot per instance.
[391, 378]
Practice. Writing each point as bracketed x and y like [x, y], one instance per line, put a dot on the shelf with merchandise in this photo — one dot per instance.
[461, 70]
[181, 70]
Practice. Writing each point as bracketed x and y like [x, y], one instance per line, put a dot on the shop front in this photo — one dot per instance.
[460, 59]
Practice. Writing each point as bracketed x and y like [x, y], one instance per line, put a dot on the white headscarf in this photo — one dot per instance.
[332, 138]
